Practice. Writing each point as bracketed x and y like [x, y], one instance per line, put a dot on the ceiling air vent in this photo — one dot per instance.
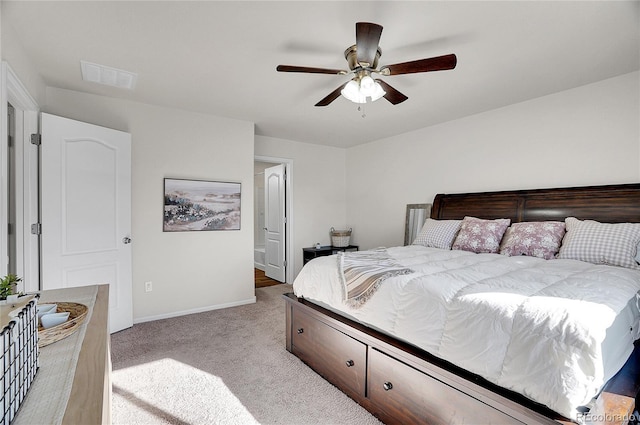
[108, 76]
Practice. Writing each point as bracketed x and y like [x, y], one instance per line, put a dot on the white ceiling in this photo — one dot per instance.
[220, 57]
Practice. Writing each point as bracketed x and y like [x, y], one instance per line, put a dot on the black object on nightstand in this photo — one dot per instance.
[309, 254]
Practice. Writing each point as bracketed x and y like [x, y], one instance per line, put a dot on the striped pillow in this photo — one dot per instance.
[438, 233]
[601, 243]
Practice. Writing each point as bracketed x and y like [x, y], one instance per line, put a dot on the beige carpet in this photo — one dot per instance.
[222, 367]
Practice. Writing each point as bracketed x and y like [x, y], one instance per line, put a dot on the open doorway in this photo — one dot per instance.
[19, 243]
[272, 224]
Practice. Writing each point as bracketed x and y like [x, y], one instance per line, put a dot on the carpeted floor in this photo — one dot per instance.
[222, 367]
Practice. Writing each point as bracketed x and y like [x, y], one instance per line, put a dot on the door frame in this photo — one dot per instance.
[288, 206]
[27, 209]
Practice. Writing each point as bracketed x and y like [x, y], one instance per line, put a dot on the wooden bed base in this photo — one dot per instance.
[400, 383]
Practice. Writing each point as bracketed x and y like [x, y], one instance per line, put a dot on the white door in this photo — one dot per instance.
[274, 220]
[86, 211]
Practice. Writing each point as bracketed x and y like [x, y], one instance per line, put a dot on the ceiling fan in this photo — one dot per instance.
[363, 58]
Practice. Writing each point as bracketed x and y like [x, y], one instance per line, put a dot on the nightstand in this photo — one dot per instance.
[309, 254]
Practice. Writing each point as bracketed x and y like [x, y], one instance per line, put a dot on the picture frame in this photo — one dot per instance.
[201, 205]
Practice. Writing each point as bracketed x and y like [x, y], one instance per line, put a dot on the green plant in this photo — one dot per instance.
[8, 285]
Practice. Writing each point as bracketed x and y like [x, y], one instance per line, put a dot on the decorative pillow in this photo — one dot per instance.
[478, 235]
[601, 243]
[438, 233]
[535, 239]
[638, 254]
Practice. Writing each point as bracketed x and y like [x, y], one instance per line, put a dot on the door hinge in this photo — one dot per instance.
[284, 263]
[36, 139]
[36, 229]
[285, 220]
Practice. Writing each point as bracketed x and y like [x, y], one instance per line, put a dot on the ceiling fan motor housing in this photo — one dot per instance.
[351, 55]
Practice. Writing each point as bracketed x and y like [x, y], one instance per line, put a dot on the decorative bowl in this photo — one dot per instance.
[77, 314]
[54, 319]
[46, 309]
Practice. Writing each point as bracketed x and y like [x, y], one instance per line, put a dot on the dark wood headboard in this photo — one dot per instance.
[609, 204]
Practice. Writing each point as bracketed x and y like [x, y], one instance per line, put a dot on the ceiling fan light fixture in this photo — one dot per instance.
[352, 92]
[367, 85]
[358, 90]
[378, 92]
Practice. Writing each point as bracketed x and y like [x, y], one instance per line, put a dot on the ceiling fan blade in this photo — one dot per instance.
[439, 63]
[391, 94]
[310, 70]
[331, 96]
[367, 40]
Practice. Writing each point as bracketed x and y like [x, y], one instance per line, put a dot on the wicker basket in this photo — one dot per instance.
[340, 238]
[77, 314]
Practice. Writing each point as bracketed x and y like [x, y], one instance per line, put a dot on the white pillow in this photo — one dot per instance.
[438, 233]
[601, 243]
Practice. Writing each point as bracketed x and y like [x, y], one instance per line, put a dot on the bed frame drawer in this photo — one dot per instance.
[397, 390]
[339, 358]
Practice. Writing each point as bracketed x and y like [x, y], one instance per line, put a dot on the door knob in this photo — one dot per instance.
[126, 240]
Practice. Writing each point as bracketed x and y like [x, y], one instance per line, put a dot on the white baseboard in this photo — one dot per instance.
[193, 311]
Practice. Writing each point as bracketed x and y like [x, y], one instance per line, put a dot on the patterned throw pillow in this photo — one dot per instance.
[535, 239]
[601, 243]
[438, 233]
[478, 235]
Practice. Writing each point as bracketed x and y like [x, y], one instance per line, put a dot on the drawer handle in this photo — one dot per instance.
[300, 330]
[350, 363]
[387, 386]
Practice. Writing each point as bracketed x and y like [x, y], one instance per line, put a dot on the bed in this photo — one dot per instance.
[448, 337]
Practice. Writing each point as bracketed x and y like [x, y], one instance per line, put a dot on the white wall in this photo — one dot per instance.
[24, 88]
[190, 271]
[318, 185]
[13, 53]
[584, 136]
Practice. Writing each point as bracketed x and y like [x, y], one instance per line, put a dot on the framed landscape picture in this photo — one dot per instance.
[201, 205]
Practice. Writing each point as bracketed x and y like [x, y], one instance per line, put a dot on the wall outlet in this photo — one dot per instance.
[148, 286]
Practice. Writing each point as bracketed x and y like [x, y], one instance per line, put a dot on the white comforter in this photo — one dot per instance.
[553, 330]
